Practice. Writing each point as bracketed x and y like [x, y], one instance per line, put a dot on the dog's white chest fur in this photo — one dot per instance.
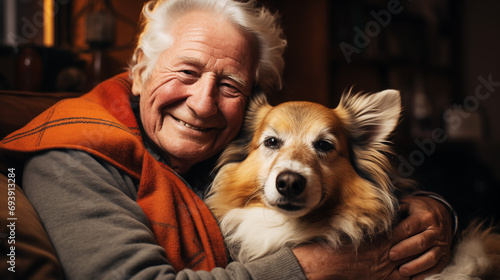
[251, 233]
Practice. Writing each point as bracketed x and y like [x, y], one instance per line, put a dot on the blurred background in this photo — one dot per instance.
[442, 55]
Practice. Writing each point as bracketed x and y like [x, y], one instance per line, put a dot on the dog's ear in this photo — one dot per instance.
[238, 150]
[370, 119]
[258, 107]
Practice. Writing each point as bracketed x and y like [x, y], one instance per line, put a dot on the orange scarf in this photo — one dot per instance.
[103, 124]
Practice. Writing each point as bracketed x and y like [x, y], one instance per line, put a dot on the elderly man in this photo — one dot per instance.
[114, 174]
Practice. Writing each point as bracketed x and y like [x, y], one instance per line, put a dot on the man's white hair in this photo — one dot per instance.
[159, 16]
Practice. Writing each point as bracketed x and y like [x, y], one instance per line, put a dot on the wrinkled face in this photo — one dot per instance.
[194, 102]
[304, 157]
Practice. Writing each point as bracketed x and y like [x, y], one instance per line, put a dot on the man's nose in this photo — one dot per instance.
[203, 99]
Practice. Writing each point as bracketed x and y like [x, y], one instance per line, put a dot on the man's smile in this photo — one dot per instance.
[190, 125]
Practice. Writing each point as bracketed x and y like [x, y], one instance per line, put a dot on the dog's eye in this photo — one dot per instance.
[272, 142]
[323, 146]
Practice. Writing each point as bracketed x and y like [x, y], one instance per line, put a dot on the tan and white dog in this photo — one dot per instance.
[301, 172]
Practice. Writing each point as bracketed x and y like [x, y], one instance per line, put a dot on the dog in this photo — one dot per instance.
[301, 172]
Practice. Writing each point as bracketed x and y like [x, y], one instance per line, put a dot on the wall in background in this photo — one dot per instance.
[481, 44]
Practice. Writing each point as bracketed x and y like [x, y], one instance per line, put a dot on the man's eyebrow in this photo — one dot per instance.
[241, 83]
[193, 61]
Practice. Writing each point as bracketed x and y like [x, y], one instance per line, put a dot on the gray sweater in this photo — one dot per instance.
[89, 210]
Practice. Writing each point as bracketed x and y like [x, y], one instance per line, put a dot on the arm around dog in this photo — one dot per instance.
[420, 246]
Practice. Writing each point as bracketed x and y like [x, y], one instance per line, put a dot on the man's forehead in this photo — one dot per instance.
[202, 44]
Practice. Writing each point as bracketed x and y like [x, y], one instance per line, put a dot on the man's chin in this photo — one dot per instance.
[181, 157]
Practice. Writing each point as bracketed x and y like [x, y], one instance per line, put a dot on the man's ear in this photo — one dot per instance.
[370, 119]
[137, 84]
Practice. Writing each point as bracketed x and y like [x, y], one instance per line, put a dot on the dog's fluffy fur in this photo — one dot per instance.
[301, 172]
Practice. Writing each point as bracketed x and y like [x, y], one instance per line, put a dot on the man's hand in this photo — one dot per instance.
[424, 237]
[420, 246]
[369, 261]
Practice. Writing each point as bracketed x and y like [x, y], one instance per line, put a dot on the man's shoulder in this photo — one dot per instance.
[79, 124]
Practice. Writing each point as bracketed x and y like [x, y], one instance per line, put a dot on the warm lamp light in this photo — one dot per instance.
[48, 23]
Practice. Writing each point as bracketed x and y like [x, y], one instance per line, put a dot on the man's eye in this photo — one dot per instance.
[188, 72]
[272, 143]
[229, 90]
[229, 86]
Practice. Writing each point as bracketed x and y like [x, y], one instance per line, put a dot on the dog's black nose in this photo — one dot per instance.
[290, 184]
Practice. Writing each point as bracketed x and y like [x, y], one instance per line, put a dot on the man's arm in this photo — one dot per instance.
[420, 246]
[90, 213]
